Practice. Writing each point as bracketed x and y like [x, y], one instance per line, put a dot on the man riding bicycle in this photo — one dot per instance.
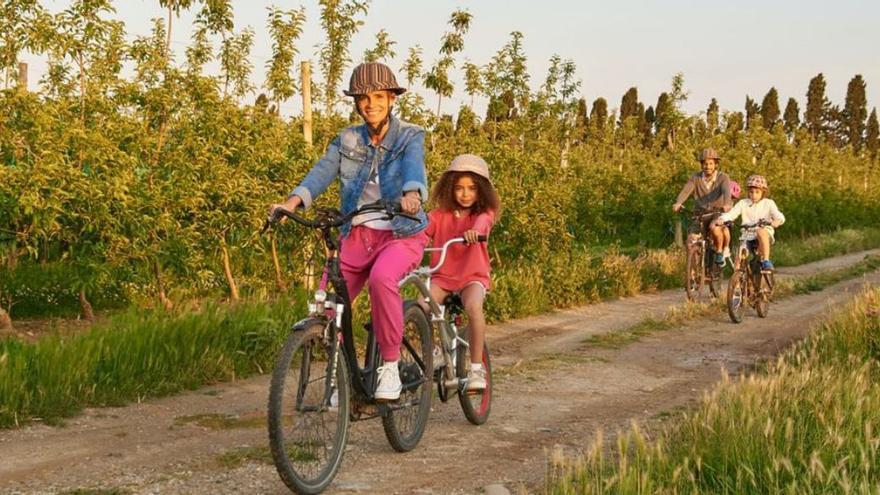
[712, 194]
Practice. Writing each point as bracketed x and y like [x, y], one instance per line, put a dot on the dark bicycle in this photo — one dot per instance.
[319, 386]
[701, 268]
[749, 284]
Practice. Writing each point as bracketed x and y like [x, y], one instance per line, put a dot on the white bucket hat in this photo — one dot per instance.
[470, 163]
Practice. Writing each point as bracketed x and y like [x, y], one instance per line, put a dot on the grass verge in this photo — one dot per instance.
[136, 355]
[809, 424]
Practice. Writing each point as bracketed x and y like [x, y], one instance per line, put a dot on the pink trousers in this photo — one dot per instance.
[376, 256]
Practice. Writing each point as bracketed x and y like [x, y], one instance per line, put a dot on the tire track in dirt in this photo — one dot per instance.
[541, 404]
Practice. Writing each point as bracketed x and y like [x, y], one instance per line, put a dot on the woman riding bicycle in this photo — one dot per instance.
[381, 159]
[712, 194]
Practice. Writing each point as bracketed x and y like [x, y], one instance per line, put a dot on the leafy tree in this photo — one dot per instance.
[872, 135]
[411, 104]
[770, 109]
[383, 50]
[339, 18]
[629, 105]
[284, 28]
[437, 78]
[174, 7]
[753, 113]
[791, 118]
[473, 81]
[712, 116]
[598, 117]
[235, 63]
[817, 106]
[855, 111]
[20, 26]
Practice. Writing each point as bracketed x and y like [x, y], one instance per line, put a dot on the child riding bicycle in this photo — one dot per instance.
[757, 210]
[466, 206]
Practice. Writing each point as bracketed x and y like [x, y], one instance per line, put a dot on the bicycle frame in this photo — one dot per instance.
[449, 337]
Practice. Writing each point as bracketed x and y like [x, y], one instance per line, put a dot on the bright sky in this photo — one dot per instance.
[726, 49]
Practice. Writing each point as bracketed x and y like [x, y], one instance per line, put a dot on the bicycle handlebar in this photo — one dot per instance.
[760, 223]
[443, 250]
[331, 217]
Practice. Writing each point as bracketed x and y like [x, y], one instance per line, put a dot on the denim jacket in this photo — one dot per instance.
[401, 166]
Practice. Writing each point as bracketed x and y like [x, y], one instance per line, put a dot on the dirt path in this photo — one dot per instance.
[551, 392]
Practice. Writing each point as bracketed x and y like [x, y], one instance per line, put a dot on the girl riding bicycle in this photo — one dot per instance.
[381, 159]
[754, 209]
[466, 206]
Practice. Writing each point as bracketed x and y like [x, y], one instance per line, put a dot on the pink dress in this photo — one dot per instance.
[464, 264]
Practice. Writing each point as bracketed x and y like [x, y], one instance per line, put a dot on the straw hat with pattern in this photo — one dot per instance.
[372, 76]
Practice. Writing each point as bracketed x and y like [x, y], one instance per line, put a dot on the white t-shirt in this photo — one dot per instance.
[371, 194]
[765, 209]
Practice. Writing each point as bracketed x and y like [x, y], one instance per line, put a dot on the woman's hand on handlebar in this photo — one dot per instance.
[291, 204]
[411, 202]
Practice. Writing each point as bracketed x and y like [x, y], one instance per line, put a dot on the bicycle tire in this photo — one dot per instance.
[405, 425]
[476, 407]
[298, 429]
[762, 296]
[714, 274]
[693, 278]
[737, 294]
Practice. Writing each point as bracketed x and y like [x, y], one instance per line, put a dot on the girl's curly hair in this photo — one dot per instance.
[443, 195]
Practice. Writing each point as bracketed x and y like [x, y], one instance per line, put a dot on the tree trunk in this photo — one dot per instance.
[168, 38]
[439, 99]
[308, 279]
[679, 235]
[279, 283]
[227, 269]
[160, 287]
[88, 313]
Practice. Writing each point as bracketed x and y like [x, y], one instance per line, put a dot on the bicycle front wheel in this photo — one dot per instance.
[404, 422]
[308, 428]
[693, 274]
[476, 406]
[736, 296]
[762, 294]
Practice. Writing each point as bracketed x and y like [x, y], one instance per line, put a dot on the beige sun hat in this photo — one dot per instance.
[470, 163]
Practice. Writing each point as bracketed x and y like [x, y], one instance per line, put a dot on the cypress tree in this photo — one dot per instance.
[817, 106]
[629, 105]
[599, 113]
[855, 111]
[712, 116]
[770, 109]
[872, 135]
[791, 118]
[752, 112]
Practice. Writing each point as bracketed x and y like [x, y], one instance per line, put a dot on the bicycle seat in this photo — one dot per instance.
[453, 301]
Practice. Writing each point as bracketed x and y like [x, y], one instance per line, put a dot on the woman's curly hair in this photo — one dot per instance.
[443, 195]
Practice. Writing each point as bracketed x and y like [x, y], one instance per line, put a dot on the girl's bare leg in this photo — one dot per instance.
[472, 297]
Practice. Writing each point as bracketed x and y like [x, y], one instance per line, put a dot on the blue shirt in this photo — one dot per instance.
[399, 159]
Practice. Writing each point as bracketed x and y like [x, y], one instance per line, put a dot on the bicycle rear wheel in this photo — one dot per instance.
[737, 295]
[404, 422]
[476, 406]
[306, 435]
[693, 279]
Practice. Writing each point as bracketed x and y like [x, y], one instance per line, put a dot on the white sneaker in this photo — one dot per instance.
[389, 385]
[334, 400]
[476, 379]
[726, 252]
